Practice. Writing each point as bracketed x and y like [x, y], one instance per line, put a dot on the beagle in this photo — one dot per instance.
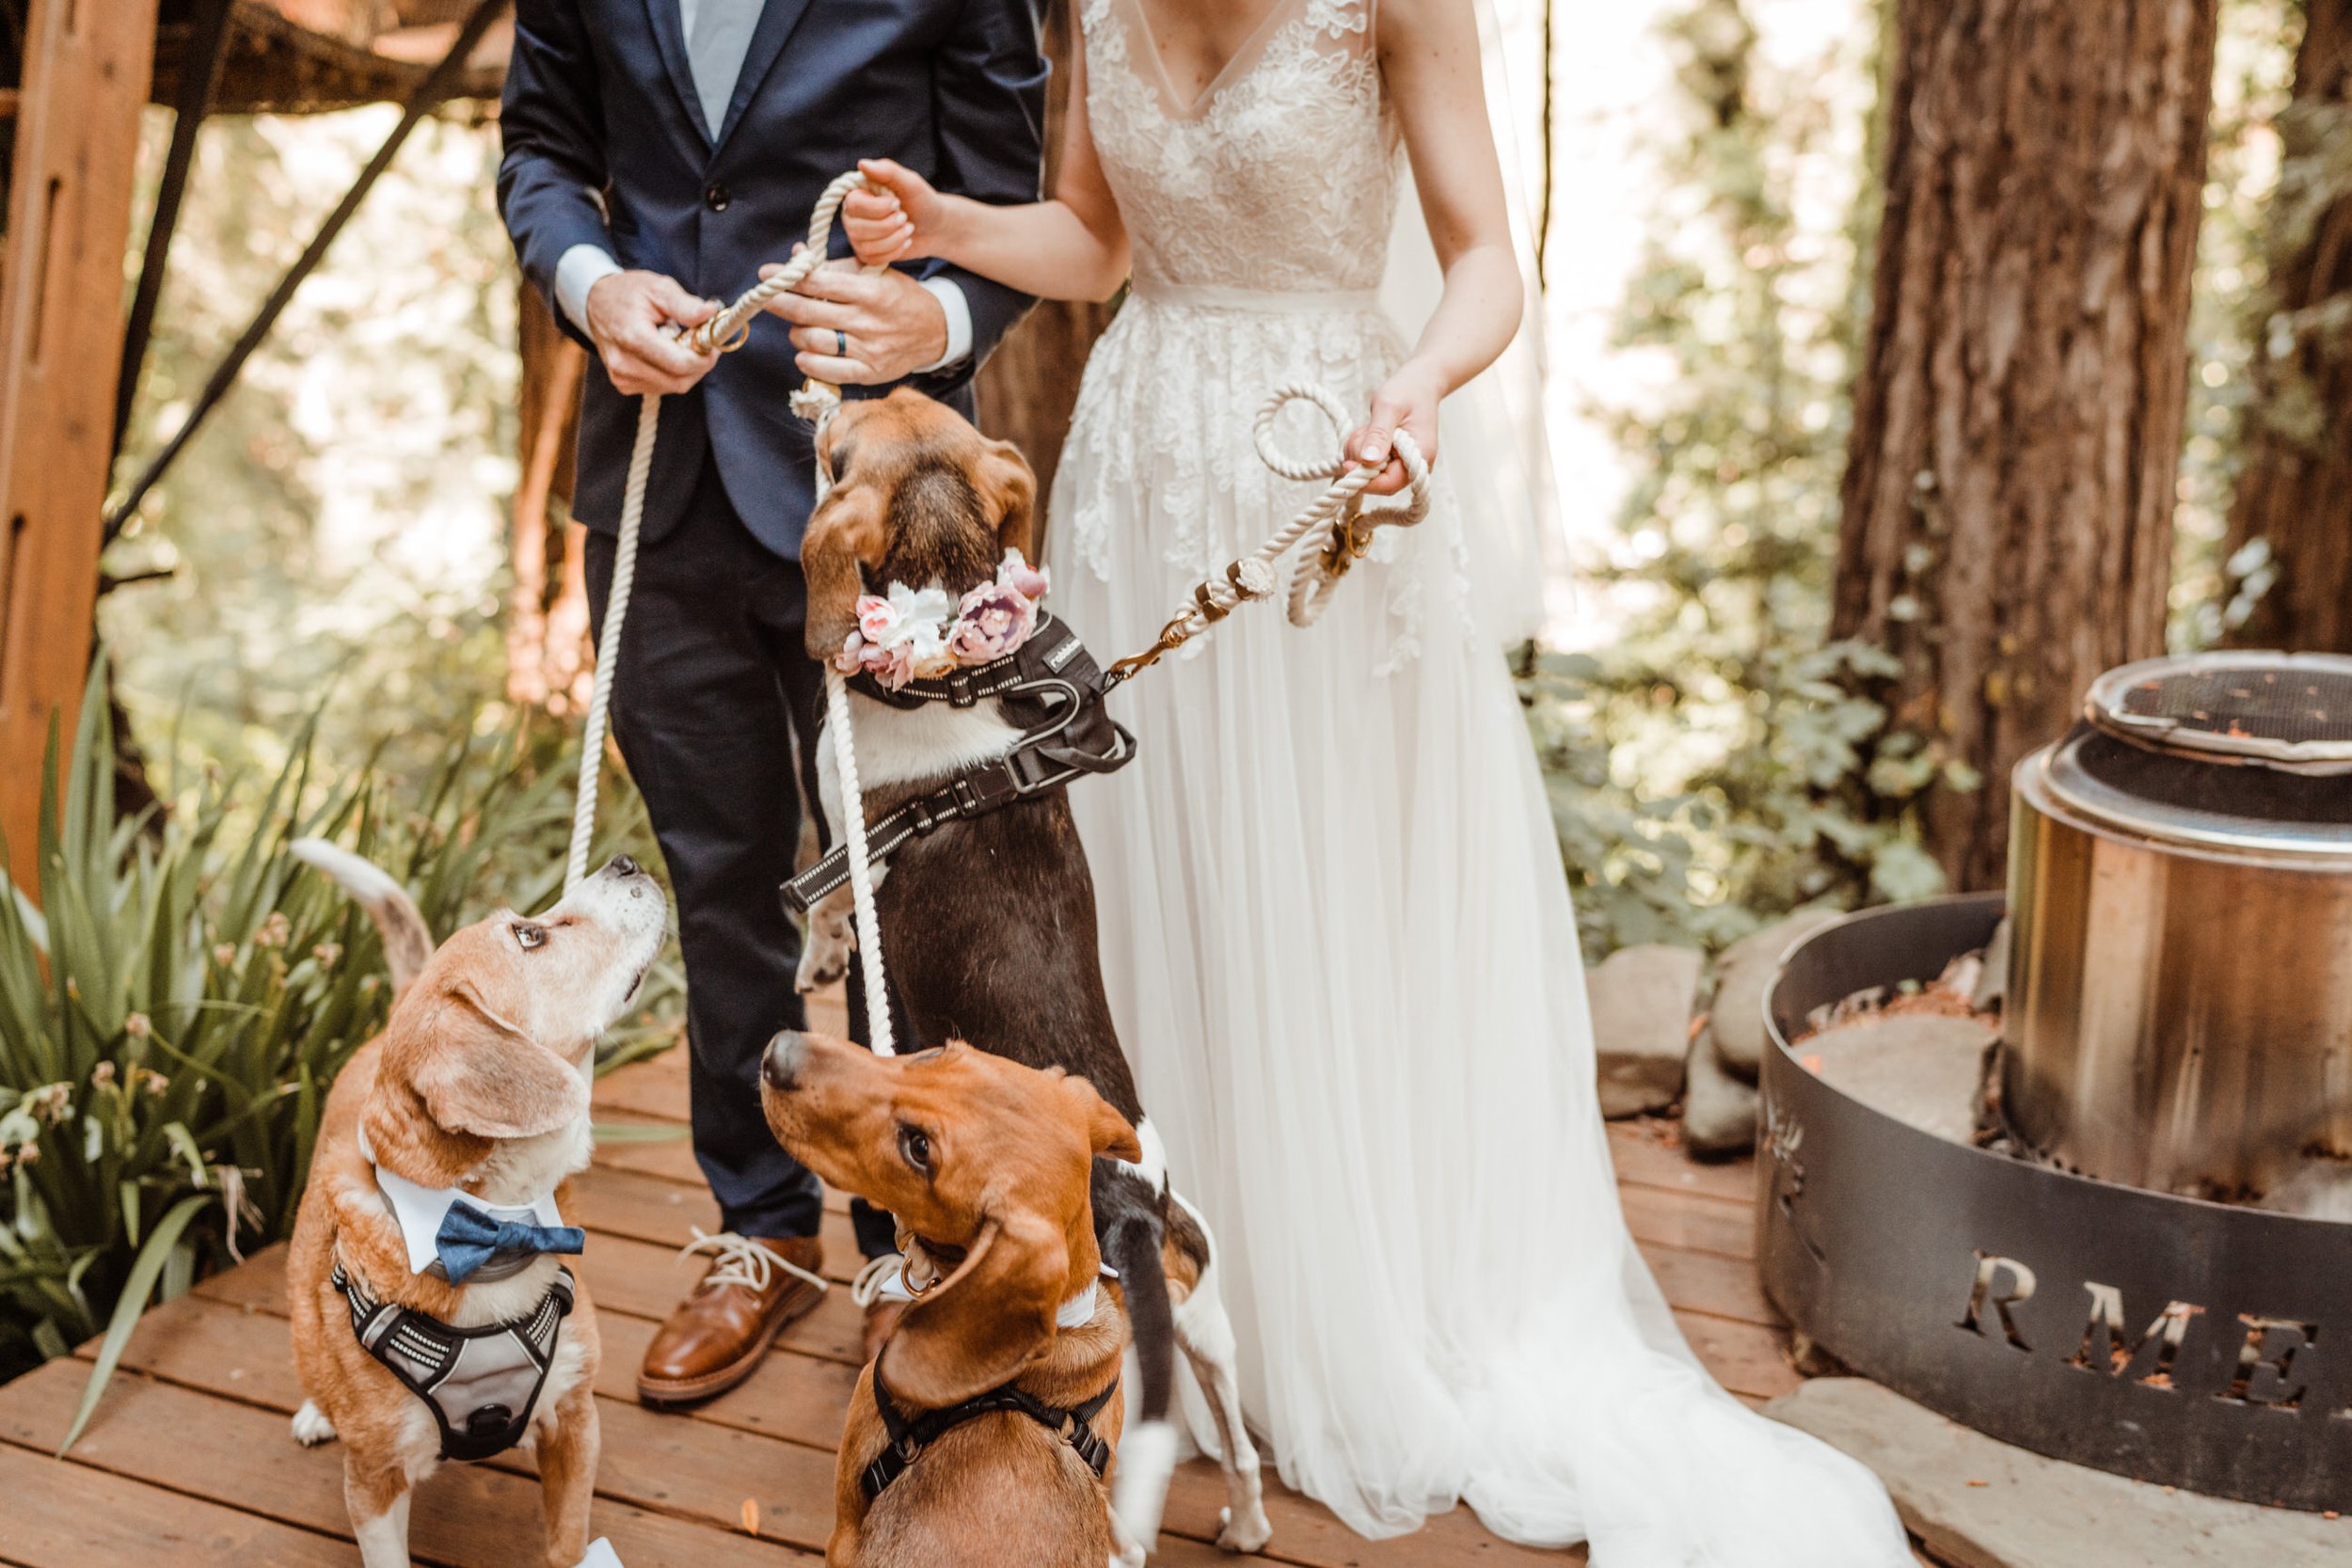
[990, 919]
[980, 1437]
[432, 1319]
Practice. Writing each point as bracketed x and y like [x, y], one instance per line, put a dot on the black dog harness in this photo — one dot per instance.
[481, 1383]
[1051, 688]
[910, 1435]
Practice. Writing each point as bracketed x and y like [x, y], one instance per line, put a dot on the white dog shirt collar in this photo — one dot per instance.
[418, 1211]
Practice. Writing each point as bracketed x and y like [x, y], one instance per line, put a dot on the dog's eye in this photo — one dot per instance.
[916, 1145]
[531, 937]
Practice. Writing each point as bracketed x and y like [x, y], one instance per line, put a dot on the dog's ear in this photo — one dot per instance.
[843, 532]
[1108, 1131]
[482, 1074]
[1007, 488]
[984, 1322]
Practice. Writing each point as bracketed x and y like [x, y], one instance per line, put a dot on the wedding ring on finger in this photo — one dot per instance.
[840, 343]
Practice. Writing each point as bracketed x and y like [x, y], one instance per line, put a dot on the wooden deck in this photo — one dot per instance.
[188, 1461]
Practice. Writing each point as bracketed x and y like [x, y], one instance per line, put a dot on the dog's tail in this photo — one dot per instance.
[1146, 1451]
[407, 944]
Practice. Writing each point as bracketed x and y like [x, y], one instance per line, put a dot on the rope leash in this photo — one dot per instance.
[1334, 528]
[817, 401]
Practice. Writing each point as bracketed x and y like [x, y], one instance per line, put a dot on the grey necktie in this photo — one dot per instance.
[718, 36]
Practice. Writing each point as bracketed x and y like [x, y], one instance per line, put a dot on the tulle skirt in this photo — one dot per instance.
[1341, 953]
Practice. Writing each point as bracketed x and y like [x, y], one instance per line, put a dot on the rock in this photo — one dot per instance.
[1642, 999]
[1924, 1068]
[1743, 975]
[1718, 1110]
[1983, 1504]
[1993, 985]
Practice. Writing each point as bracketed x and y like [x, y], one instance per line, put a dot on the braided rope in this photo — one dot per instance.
[1333, 527]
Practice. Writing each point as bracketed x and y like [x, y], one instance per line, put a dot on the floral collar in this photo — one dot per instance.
[911, 635]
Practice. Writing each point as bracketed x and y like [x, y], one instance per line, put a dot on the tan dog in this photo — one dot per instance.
[474, 1098]
[988, 1162]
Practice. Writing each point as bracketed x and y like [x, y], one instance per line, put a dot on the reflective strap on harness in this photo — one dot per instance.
[910, 1435]
[1051, 686]
[430, 1359]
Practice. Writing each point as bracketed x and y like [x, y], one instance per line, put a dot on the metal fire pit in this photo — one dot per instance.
[2164, 1338]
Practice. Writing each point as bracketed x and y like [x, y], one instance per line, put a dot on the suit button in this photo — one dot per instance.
[715, 199]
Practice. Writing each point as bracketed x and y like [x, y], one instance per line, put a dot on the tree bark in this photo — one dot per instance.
[2008, 499]
[2298, 456]
[1028, 387]
[549, 662]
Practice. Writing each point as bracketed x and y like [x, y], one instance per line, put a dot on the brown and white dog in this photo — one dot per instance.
[990, 1161]
[989, 923]
[475, 1094]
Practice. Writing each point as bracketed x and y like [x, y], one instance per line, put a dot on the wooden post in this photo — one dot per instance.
[87, 68]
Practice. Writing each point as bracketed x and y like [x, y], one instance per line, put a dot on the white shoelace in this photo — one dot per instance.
[740, 1260]
[882, 1278]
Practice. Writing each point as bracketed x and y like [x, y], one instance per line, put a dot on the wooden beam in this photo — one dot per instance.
[86, 64]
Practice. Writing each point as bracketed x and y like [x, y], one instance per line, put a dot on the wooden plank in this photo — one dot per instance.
[1744, 1359]
[1648, 1152]
[465, 1516]
[1717, 1285]
[77, 133]
[1660, 1218]
[67, 1515]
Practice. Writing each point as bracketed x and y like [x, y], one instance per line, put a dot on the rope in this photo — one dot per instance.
[1333, 527]
[817, 401]
[723, 334]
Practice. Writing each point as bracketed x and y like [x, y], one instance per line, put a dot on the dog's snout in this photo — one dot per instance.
[621, 865]
[783, 1060]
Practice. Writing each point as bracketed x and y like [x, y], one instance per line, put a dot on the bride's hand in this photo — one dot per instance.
[900, 222]
[1409, 401]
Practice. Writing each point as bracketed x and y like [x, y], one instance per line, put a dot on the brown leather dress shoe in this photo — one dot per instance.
[715, 1338]
[881, 1320]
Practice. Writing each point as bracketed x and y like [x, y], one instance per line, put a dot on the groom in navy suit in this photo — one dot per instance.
[658, 153]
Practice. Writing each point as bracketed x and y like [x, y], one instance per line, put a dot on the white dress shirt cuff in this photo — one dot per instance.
[576, 271]
[958, 310]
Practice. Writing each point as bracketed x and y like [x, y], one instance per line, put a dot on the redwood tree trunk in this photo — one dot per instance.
[2295, 492]
[2008, 501]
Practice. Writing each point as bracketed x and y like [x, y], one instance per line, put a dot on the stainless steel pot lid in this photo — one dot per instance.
[2283, 710]
[2244, 752]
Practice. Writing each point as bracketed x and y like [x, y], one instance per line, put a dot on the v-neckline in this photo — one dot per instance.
[1238, 64]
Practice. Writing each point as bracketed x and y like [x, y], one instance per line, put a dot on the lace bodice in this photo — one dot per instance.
[1280, 177]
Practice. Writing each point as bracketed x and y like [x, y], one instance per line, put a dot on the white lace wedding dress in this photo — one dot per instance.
[1334, 923]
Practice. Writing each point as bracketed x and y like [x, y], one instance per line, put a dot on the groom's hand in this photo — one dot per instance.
[633, 319]
[857, 328]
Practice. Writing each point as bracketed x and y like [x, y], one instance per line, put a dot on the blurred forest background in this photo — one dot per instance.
[1908, 365]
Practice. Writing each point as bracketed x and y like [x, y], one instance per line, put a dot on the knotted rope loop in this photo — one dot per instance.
[1334, 528]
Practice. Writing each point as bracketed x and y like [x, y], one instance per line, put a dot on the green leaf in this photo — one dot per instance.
[145, 1270]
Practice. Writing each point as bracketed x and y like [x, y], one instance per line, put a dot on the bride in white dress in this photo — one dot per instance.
[1334, 923]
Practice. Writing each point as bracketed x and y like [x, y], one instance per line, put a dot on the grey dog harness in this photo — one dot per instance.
[481, 1383]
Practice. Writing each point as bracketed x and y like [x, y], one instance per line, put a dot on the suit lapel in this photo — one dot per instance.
[776, 21]
[669, 36]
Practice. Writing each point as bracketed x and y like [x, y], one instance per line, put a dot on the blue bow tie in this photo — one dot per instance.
[469, 1238]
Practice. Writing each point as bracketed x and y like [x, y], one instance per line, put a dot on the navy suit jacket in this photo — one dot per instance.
[605, 145]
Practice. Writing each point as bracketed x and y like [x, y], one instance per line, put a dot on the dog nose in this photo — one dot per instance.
[783, 1060]
[621, 865]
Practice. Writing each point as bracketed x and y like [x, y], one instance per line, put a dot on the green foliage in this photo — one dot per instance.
[1720, 762]
[173, 1010]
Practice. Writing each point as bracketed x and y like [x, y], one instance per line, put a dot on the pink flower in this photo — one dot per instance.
[993, 621]
[1029, 581]
[876, 616]
[851, 659]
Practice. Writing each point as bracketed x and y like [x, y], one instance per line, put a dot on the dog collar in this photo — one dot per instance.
[419, 1211]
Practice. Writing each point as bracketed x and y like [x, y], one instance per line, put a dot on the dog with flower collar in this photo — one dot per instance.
[972, 709]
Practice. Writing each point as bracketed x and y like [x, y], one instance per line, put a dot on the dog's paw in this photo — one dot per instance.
[1250, 1534]
[822, 963]
[312, 1427]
